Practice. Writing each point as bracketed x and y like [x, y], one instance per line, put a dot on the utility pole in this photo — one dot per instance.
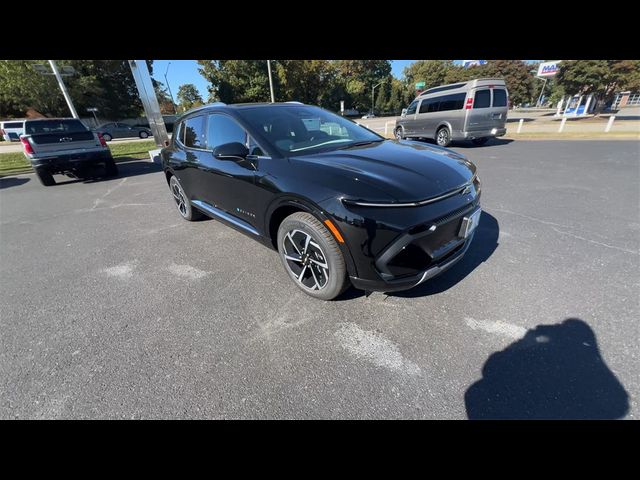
[173, 103]
[63, 88]
[270, 81]
[373, 93]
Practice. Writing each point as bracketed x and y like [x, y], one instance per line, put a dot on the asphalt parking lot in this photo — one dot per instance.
[114, 307]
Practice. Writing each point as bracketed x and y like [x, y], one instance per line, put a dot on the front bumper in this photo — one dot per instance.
[405, 283]
[71, 161]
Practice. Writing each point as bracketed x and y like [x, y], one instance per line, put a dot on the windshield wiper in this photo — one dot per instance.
[360, 144]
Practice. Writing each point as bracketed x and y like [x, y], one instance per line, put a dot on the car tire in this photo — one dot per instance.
[110, 168]
[479, 141]
[45, 177]
[443, 137]
[303, 236]
[398, 133]
[185, 209]
[107, 137]
[143, 134]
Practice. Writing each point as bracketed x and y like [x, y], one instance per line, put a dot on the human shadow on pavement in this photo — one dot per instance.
[484, 243]
[553, 372]
[8, 182]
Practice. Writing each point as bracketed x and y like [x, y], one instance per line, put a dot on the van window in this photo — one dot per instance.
[412, 108]
[424, 106]
[452, 102]
[483, 99]
[13, 125]
[499, 98]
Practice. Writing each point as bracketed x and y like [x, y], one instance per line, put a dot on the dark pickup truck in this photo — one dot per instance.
[64, 145]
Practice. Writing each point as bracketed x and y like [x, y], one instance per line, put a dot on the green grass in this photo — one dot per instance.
[15, 162]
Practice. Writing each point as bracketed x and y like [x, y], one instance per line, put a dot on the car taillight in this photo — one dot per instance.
[102, 142]
[469, 104]
[28, 149]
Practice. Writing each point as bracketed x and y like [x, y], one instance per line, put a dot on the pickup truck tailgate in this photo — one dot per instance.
[52, 143]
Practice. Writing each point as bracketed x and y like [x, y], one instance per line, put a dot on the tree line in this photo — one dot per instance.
[109, 86]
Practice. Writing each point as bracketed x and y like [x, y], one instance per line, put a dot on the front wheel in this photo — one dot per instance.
[398, 133]
[443, 137]
[311, 256]
[480, 141]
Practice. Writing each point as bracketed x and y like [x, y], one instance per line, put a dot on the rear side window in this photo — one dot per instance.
[412, 108]
[483, 99]
[224, 129]
[499, 98]
[54, 126]
[194, 133]
[452, 102]
[13, 125]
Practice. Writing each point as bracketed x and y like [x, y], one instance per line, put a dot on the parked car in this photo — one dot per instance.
[112, 130]
[369, 115]
[475, 110]
[11, 130]
[341, 204]
[64, 145]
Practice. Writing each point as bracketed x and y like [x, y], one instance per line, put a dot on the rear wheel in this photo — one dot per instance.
[480, 141]
[107, 137]
[443, 137]
[143, 134]
[45, 177]
[182, 201]
[311, 256]
[110, 168]
[398, 133]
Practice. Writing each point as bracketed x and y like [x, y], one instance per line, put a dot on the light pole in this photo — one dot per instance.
[373, 93]
[40, 68]
[94, 110]
[270, 81]
[173, 104]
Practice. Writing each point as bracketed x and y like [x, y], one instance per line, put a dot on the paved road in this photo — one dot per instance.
[114, 307]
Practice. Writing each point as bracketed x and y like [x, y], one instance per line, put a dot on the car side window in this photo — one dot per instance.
[224, 129]
[412, 108]
[482, 99]
[194, 132]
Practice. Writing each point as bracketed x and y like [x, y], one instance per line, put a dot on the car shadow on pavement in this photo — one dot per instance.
[484, 243]
[8, 182]
[126, 168]
[553, 372]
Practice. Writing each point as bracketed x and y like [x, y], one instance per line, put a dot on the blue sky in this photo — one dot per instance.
[186, 71]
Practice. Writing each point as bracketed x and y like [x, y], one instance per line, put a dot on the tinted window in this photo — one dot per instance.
[412, 108]
[452, 102]
[424, 106]
[499, 98]
[54, 126]
[483, 99]
[13, 125]
[122, 125]
[224, 129]
[194, 132]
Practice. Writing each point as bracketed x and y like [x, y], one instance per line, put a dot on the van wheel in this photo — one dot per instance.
[443, 137]
[480, 141]
[398, 133]
[45, 177]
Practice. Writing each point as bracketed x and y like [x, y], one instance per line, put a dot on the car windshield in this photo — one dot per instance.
[303, 130]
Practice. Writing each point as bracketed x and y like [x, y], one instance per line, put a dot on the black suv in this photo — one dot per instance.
[340, 203]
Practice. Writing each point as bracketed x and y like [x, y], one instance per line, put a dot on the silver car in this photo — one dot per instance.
[475, 110]
[112, 130]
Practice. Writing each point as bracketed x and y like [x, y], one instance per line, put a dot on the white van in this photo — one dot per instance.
[12, 129]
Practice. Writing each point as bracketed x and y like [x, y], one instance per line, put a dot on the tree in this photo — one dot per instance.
[358, 78]
[104, 84]
[189, 97]
[309, 81]
[236, 81]
[164, 99]
[432, 72]
[603, 78]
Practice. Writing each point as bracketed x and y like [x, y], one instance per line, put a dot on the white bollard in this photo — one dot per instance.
[520, 125]
[386, 127]
[564, 120]
[610, 123]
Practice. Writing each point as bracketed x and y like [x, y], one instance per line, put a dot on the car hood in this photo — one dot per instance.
[406, 171]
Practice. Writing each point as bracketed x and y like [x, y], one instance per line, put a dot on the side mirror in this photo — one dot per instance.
[404, 112]
[231, 150]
